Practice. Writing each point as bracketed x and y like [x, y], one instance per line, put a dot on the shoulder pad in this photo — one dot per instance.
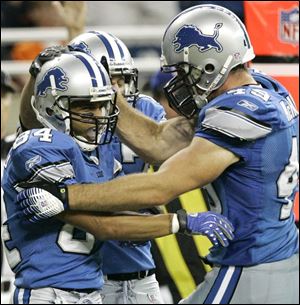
[234, 124]
[45, 154]
[269, 82]
[244, 113]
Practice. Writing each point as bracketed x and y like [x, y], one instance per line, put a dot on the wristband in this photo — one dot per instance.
[175, 224]
[182, 219]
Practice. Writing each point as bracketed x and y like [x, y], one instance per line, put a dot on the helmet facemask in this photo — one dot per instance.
[86, 127]
[190, 89]
[130, 76]
[181, 90]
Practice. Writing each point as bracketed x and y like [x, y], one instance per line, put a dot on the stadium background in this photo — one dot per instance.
[273, 27]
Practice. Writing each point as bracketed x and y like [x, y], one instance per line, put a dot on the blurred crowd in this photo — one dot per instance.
[96, 13]
[28, 14]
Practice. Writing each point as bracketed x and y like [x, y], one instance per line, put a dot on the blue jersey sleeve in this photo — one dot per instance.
[243, 115]
[43, 154]
[151, 108]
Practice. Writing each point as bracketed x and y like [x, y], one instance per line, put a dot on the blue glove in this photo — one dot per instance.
[38, 204]
[215, 226]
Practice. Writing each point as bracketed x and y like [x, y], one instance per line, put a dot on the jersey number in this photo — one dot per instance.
[43, 134]
[68, 243]
[13, 256]
[128, 155]
[287, 181]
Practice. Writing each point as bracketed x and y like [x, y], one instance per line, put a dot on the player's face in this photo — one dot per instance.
[83, 122]
[120, 81]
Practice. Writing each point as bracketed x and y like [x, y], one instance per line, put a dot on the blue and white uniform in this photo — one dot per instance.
[260, 125]
[125, 257]
[7, 276]
[51, 253]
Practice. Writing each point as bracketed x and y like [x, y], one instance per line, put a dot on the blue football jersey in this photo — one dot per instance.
[131, 162]
[52, 253]
[126, 256]
[260, 125]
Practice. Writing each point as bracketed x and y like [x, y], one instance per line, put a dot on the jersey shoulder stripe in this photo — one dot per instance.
[246, 113]
[234, 124]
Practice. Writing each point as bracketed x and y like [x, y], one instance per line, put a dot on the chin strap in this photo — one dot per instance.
[84, 146]
[39, 117]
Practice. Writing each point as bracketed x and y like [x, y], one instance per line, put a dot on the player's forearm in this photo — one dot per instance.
[117, 195]
[138, 132]
[137, 227]
[27, 115]
[154, 142]
[74, 31]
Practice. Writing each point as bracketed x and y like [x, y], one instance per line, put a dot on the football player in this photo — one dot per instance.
[245, 144]
[58, 260]
[130, 274]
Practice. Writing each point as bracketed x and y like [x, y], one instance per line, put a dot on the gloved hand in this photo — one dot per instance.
[215, 226]
[44, 56]
[43, 201]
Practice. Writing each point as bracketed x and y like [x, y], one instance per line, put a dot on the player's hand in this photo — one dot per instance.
[72, 14]
[215, 226]
[38, 204]
[121, 100]
[44, 56]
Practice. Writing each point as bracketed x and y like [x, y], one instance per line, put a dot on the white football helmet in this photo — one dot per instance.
[76, 77]
[202, 44]
[109, 50]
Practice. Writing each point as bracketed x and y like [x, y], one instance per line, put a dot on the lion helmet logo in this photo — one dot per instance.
[190, 35]
[81, 47]
[60, 81]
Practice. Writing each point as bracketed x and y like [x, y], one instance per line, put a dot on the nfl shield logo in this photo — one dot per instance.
[289, 26]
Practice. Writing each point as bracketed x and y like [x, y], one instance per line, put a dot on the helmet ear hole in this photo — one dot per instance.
[49, 111]
[209, 68]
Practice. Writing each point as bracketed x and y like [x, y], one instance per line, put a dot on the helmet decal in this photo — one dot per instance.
[207, 42]
[91, 71]
[190, 35]
[81, 46]
[60, 81]
[113, 54]
[119, 46]
[106, 42]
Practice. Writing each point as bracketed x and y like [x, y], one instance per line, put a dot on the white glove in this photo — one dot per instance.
[38, 204]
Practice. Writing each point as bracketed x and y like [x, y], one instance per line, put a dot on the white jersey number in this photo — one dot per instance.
[13, 256]
[68, 243]
[288, 180]
[44, 135]
[128, 155]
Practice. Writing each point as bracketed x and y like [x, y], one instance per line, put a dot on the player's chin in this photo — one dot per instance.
[93, 132]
